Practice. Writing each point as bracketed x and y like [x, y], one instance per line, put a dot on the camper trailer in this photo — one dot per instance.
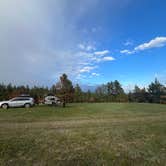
[52, 100]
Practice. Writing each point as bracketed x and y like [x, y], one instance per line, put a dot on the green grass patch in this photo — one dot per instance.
[84, 134]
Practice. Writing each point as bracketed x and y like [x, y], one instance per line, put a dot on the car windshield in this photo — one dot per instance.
[13, 99]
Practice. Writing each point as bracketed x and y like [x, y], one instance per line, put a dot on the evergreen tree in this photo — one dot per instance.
[155, 89]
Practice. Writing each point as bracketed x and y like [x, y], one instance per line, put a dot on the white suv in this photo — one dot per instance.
[18, 102]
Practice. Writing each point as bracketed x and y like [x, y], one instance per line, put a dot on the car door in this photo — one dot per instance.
[14, 102]
[21, 102]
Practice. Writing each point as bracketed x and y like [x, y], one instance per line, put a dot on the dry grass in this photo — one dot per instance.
[84, 134]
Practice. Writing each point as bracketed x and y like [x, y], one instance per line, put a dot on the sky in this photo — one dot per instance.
[92, 41]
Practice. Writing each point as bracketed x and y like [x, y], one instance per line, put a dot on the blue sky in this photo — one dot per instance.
[92, 41]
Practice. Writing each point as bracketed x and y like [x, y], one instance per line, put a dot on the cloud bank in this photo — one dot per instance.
[39, 41]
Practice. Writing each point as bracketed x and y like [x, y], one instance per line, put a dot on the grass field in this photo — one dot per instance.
[84, 134]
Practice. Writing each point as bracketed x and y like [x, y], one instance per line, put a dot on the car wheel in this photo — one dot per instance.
[27, 105]
[5, 106]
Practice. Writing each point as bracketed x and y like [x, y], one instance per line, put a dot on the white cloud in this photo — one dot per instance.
[81, 46]
[93, 58]
[87, 69]
[90, 48]
[154, 43]
[86, 47]
[95, 74]
[128, 43]
[102, 53]
[126, 52]
[108, 58]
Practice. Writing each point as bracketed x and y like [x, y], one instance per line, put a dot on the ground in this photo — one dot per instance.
[84, 134]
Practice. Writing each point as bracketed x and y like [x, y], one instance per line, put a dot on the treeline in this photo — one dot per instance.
[113, 92]
[155, 93]
[110, 92]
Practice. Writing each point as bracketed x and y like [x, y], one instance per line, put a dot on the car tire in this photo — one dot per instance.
[27, 105]
[5, 106]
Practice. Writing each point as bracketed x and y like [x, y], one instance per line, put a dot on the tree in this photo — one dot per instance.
[88, 96]
[3, 92]
[155, 89]
[65, 88]
[53, 89]
[139, 95]
[77, 93]
[112, 91]
[101, 93]
[118, 88]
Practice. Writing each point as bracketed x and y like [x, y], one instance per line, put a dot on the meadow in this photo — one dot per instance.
[84, 134]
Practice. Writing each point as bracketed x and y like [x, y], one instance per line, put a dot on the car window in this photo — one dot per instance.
[14, 99]
[20, 99]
